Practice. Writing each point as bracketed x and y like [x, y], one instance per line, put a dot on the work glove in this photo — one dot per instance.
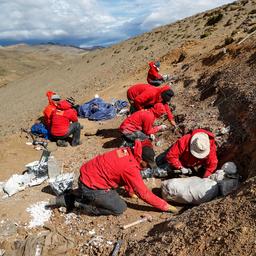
[172, 209]
[185, 170]
[152, 137]
[166, 77]
[134, 196]
[163, 127]
[173, 123]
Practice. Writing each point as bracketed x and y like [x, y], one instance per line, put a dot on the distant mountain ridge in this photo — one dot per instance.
[92, 48]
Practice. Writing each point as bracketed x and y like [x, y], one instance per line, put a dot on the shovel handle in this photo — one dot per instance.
[135, 223]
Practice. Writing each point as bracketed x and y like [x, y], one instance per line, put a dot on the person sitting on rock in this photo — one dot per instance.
[139, 125]
[64, 123]
[195, 149]
[53, 100]
[147, 97]
[101, 176]
[154, 78]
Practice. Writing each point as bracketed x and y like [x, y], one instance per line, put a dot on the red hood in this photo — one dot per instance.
[49, 96]
[211, 135]
[137, 149]
[152, 64]
[165, 88]
[64, 105]
[158, 110]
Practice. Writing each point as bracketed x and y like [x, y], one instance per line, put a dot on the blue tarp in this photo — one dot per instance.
[39, 129]
[97, 109]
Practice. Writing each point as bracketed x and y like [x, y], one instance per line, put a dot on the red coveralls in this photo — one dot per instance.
[143, 120]
[150, 96]
[153, 73]
[117, 168]
[61, 118]
[179, 154]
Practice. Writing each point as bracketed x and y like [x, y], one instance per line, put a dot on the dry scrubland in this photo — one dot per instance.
[216, 88]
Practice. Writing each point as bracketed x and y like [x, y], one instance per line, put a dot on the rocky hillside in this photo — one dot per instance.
[226, 226]
[126, 63]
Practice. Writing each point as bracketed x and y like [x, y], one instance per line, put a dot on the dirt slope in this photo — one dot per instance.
[20, 60]
[128, 60]
[225, 226]
[215, 89]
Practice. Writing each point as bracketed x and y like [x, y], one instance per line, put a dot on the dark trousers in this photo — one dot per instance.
[138, 135]
[101, 202]
[161, 161]
[75, 131]
[156, 82]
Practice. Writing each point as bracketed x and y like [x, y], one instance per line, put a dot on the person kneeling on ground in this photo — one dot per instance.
[101, 176]
[154, 78]
[153, 95]
[139, 125]
[64, 123]
[133, 92]
[143, 97]
[194, 149]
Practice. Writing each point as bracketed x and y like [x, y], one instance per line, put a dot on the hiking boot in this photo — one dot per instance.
[147, 173]
[57, 201]
[160, 173]
[66, 200]
[62, 143]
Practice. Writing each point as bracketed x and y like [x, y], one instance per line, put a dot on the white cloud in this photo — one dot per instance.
[52, 18]
[96, 20]
[168, 11]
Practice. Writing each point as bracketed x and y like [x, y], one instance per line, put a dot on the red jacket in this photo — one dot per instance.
[117, 168]
[150, 97]
[143, 120]
[61, 118]
[136, 90]
[153, 73]
[179, 154]
[49, 109]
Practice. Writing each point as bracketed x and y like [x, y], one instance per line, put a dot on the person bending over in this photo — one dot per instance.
[152, 95]
[140, 125]
[195, 149]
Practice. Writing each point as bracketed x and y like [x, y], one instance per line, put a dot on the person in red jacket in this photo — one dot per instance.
[101, 176]
[154, 78]
[194, 149]
[53, 100]
[139, 125]
[133, 92]
[152, 95]
[64, 122]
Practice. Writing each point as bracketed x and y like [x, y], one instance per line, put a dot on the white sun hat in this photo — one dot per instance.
[200, 145]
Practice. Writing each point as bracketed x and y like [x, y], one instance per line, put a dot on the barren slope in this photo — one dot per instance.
[17, 61]
[127, 61]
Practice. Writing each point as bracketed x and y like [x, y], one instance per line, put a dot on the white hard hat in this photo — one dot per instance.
[229, 168]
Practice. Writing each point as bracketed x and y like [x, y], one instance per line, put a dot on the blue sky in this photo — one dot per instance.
[90, 22]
